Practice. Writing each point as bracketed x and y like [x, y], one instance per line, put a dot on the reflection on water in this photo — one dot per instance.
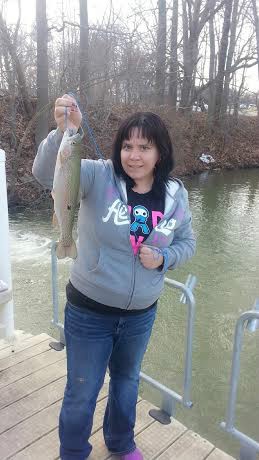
[225, 210]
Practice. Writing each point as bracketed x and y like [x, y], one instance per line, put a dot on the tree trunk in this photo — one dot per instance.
[190, 60]
[84, 53]
[222, 61]
[173, 57]
[193, 23]
[256, 20]
[231, 50]
[212, 67]
[237, 97]
[161, 53]
[42, 71]
[186, 60]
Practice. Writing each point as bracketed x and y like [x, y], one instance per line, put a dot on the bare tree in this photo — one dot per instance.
[42, 71]
[122, 62]
[194, 19]
[237, 93]
[230, 54]
[161, 53]
[256, 22]
[222, 61]
[84, 52]
[212, 67]
[173, 77]
[10, 46]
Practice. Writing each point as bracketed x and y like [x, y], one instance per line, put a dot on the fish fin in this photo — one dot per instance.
[66, 251]
[55, 220]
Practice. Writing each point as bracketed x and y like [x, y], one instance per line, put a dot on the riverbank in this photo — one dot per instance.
[235, 147]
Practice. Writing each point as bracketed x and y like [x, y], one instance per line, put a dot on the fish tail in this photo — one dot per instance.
[66, 251]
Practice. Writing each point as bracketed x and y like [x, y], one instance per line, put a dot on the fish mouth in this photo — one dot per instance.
[75, 136]
[71, 131]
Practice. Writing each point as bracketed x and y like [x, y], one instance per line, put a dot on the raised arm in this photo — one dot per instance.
[44, 163]
[67, 115]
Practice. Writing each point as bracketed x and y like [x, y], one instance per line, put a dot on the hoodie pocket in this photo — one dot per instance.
[112, 271]
[94, 262]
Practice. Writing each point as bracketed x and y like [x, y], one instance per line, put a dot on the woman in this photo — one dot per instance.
[134, 224]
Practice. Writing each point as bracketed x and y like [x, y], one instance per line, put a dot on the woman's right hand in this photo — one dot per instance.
[67, 113]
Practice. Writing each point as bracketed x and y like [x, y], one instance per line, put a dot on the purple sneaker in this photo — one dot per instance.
[135, 455]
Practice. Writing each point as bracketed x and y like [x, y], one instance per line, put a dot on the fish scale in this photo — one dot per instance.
[66, 190]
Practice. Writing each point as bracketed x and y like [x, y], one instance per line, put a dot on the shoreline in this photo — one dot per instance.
[46, 202]
[236, 146]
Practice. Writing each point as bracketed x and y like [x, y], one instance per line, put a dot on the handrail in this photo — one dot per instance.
[169, 397]
[249, 447]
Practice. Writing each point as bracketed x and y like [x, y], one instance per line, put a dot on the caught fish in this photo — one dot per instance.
[65, 190]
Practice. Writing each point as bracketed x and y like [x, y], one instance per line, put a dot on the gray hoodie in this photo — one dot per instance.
[106, 268]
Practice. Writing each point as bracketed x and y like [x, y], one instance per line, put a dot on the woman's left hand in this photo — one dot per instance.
[150, 257]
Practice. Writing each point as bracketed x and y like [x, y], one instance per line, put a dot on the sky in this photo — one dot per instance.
[96, 10]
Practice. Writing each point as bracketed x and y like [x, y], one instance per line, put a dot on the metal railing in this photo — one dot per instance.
[169, 397]
[249, 448]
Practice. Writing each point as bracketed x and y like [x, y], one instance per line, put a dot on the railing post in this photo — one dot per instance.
[6, 302]
[249, 447]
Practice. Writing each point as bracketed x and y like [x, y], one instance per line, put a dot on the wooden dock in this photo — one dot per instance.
[32, 380]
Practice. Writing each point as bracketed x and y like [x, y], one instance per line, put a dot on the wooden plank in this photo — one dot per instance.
[156, 438]
[218, 454]
[23, 344]
[18, 336]
[143, 421]
[23, 355]
[4, 344]
[190, 446]
[23, 434]
[29, 366]
[47, 447]
[31, 404]
[31, 383]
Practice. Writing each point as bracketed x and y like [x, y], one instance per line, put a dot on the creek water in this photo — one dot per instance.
[225, 207]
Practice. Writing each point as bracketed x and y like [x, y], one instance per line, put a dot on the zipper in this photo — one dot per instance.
[134, 262]
[133, 283]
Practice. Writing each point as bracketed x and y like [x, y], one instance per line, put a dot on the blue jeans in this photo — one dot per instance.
[95, 341]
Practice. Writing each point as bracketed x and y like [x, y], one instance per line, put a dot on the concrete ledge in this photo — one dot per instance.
[5, 296]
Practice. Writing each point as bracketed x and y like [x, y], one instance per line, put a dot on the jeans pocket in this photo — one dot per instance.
[75, 320]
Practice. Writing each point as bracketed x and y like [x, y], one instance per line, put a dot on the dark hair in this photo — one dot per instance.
[152, 128]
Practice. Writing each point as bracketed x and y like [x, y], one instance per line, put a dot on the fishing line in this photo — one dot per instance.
[65, 118]
[85, 124]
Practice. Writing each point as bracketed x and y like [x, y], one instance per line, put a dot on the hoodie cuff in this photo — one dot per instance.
[168, 262]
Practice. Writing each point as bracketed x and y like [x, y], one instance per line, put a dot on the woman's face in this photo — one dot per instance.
[139, 158]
